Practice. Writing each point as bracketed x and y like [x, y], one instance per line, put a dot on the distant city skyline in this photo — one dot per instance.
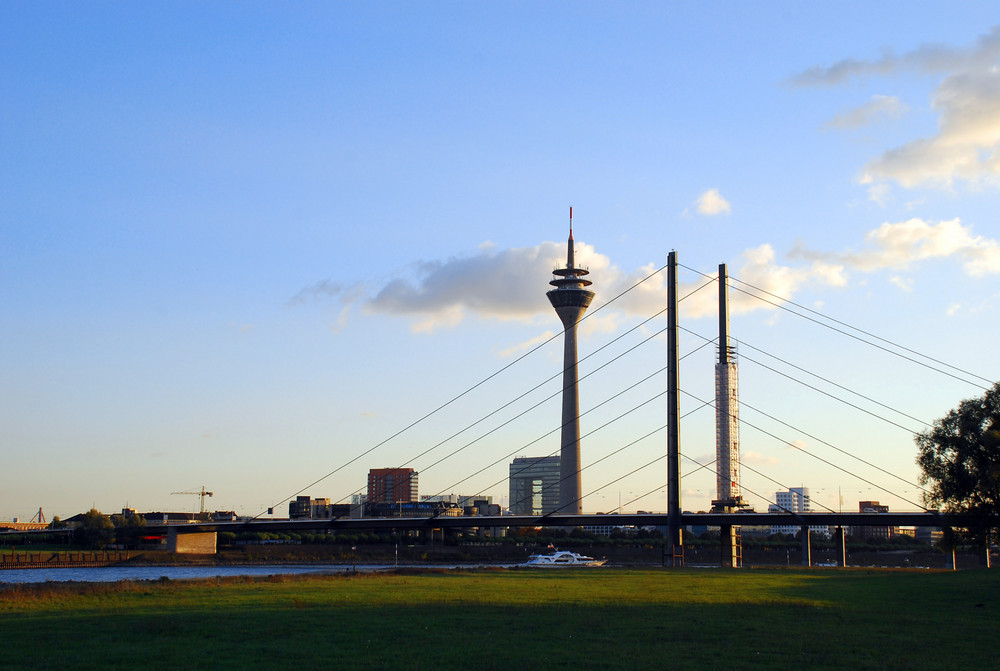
[249, 247]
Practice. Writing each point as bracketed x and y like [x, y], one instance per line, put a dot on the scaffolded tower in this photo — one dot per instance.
[727, 410]
[570, 300]
[727, 434]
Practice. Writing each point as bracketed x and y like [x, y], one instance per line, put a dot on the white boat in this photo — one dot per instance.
[563, 558]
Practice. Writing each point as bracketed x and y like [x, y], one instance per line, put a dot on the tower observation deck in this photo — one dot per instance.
[570, 298]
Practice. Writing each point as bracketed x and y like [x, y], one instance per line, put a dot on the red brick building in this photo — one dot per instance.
[392, 485]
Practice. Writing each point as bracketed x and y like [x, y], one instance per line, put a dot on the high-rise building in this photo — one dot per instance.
[570, 299]
[795, 500]
[392, 485]
[534, 485]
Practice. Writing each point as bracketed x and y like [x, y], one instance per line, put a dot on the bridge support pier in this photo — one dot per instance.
[806, 547]
[841, 547]
[199, 543]
[731, 555]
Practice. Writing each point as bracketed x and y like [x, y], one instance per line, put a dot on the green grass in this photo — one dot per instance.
[513, 619]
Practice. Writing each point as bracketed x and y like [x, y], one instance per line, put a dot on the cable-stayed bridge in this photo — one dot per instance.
[634, 400]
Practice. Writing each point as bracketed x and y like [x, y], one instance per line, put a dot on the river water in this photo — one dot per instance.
[116, 573]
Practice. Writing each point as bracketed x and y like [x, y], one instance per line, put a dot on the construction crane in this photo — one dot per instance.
[201, 493]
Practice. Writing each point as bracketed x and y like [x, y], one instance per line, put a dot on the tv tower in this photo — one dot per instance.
[570, 300]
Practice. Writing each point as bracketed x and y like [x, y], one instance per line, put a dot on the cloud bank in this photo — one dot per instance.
[902, 245]
[510, 284]
[967, 100]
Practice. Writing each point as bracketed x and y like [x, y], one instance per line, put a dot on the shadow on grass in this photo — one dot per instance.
[698, 620]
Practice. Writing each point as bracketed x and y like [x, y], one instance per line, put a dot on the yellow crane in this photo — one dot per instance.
[201, 493]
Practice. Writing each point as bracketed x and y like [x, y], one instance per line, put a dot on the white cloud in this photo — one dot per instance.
[498, 285]
[927, 59]
[528, 344]
[967, 100]
[878, 108]
[902, 283]
[711, 203]
[901, 245]
[320, 291]
[879, 193]
[953, 309]
[761, 270]
[758, 267]
[751, 457]
[966, 145]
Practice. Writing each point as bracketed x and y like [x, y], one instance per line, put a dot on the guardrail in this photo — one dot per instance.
[91, 559]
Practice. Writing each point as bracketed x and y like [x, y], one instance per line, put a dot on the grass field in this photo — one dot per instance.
[513, 619]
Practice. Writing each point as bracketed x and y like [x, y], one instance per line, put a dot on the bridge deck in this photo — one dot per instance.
[636, 519]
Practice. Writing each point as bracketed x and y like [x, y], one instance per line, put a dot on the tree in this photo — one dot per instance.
[128, 528]
[96, 529]
[960, 460]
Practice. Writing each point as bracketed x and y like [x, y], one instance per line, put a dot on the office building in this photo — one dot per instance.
[795, 500]
[534, 485]
[392, 485]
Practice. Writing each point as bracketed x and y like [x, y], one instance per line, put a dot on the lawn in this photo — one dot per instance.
[513, 619]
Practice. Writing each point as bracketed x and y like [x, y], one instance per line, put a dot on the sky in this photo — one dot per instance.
[264, 247]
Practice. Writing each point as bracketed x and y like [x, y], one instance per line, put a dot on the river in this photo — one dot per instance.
[116, 573]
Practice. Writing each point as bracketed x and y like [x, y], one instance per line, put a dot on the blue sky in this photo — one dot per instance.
[244, 243]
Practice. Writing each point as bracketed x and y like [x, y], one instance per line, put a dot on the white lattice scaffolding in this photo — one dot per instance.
[727, 432]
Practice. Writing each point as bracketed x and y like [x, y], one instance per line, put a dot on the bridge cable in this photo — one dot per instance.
[842, 451]
[834, 447]
[818, 458]
[659, 458]
[589, 433]
[826, 393]
[871, 335]
[851, 335]
[557, 450]
[538, 404]
[611, 454]
[460, 395]
[854, 328]
[547, 398]
[604, 365]
[744, 488]
[743, 343]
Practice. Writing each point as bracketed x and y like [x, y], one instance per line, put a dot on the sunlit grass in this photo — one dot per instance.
[502, 619]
